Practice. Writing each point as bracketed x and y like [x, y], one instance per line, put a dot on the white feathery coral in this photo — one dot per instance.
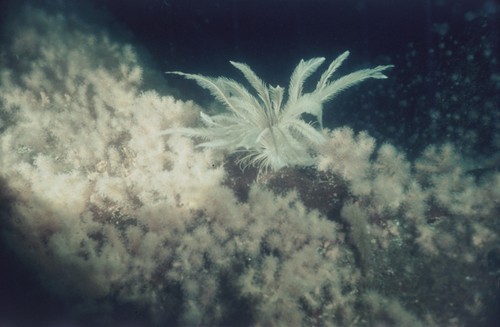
[270, 131]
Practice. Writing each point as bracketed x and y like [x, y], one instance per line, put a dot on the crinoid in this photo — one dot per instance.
[270, 131]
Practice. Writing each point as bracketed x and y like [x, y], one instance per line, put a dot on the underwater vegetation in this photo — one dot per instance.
[128, 210]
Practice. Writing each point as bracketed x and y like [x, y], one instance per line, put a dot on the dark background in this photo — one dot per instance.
[438, 48]
[446, 80]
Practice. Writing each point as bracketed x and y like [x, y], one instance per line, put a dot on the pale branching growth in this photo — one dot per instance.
[81, 155]
[346, 154]
[267, 129]
[383, 180]
[444, 172]
[106, 211]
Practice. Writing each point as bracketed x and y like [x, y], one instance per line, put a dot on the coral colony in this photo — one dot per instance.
[108, 211]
